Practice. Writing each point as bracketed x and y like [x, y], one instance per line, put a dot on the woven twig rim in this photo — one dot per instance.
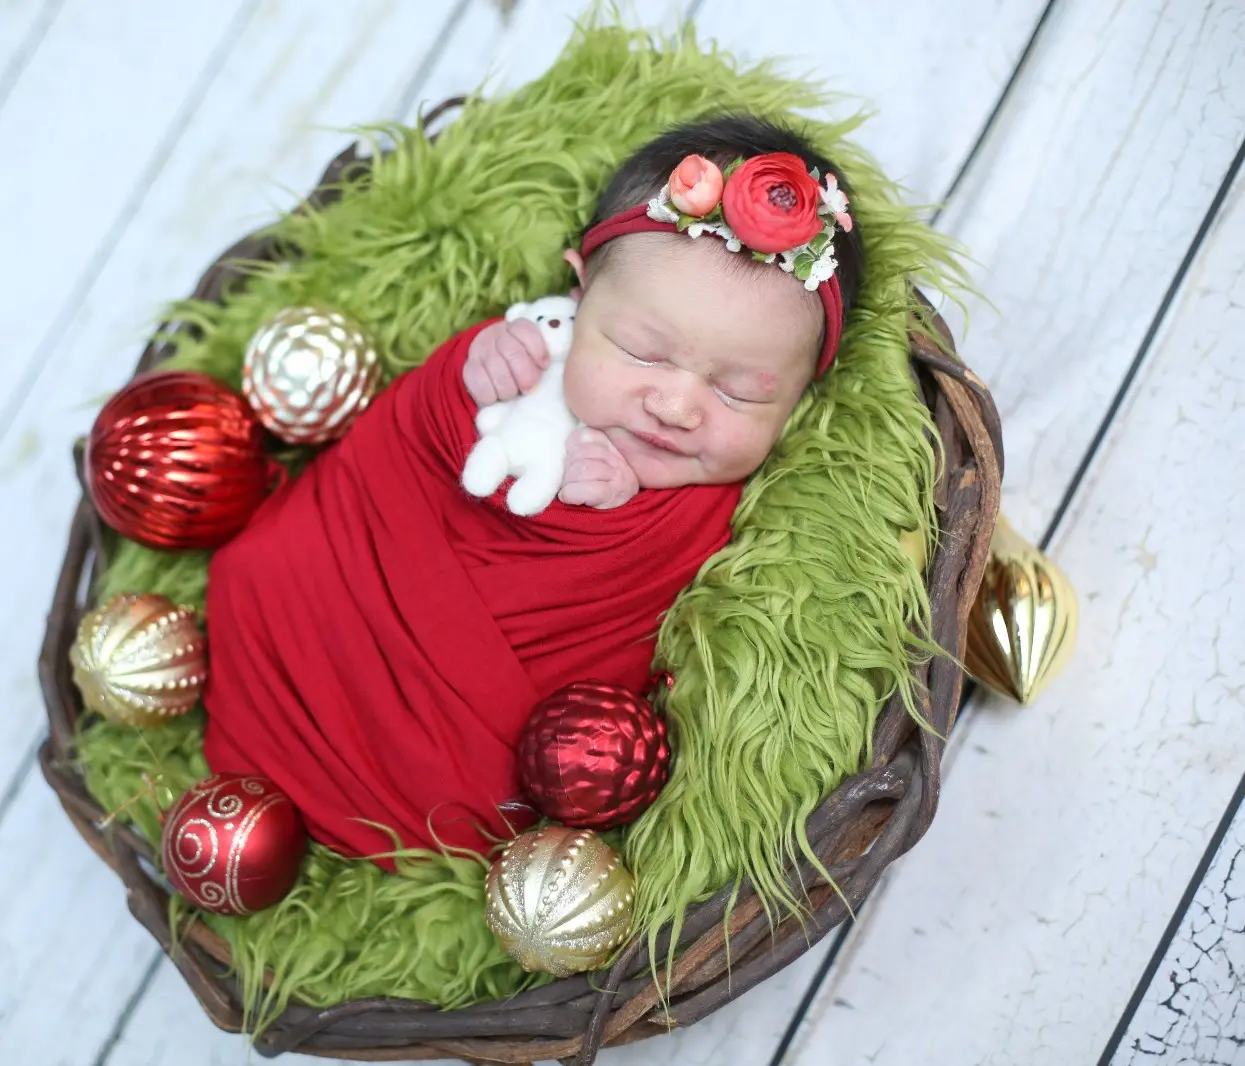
[864, 825]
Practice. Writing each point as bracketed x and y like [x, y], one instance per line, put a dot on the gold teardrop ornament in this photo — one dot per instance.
[139, 660]
[1023, 624]
[559, 900]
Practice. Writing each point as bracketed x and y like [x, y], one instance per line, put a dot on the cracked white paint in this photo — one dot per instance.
[1193, 1012]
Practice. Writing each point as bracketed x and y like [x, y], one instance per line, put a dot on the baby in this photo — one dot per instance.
[379, 636]
[688, 358]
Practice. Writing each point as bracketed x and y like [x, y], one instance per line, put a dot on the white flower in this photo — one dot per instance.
[720, 229]
[659, 209]
[822, 270]
[833, 201]
[733, 243]
[787, 260]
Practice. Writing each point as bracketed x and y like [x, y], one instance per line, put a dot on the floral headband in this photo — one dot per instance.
[770, 205]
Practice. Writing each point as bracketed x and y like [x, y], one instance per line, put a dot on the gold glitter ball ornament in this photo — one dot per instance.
[308, 373]
[139, 660]
[1023, 623]
[559, 900]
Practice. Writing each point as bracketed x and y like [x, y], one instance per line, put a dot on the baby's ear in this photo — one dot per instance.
[576, 261]
[577, 294]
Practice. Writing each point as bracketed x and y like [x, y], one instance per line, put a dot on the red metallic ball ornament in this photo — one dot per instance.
[175, 461]
[233, 844]
[593, 755]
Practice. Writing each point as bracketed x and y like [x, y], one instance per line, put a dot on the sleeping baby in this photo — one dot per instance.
[379, 635]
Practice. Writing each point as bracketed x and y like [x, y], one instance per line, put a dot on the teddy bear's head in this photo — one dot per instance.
[554, 315]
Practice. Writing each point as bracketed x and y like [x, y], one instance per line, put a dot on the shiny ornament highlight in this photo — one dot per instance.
[1023, 623]
[233, 844]
[308, 373]
[559, 900]
[175, 461]
[139, 660]
[593, 755]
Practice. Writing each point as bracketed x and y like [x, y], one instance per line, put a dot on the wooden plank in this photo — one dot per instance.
[933, 72]
[1194, 1007]
[169, 1028]
[23, 26]
[1068, 830]
[82, 148]
[68, 942]
[1079, 210]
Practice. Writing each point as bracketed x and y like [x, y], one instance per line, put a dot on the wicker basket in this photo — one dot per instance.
[867, 822]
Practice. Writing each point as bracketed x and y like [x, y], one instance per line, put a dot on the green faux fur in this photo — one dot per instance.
[789, 639]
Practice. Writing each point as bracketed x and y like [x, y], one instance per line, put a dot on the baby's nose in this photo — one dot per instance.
[673, 409]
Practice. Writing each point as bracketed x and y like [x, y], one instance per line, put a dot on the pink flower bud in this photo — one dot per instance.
[695, 186]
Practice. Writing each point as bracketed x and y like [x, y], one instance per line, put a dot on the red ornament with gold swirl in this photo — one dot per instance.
[175, 461]
[233, 844]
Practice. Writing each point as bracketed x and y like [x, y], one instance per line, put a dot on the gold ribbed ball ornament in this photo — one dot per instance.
[309, 372]
[1023, 623]
[139, 659]
[559, 900]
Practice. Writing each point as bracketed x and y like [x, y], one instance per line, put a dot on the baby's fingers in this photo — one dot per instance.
[500, 376]
[479, 385]
[589, 468]
[585, 493]
[526, 333]
[519, 363]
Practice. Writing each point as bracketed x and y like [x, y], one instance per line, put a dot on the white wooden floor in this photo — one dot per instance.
[1081, 895]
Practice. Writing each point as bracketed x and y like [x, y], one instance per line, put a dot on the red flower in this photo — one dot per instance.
[771, 202]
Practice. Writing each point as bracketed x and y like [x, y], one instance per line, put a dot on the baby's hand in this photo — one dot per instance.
[596, 474]
[504, 359]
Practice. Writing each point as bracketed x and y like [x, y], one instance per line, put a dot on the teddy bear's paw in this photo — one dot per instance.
[486, 467]
[531, 494]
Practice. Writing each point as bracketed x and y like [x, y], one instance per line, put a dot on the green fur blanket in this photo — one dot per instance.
[785, 645]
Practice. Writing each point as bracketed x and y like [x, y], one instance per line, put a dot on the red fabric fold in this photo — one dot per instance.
[378, 637]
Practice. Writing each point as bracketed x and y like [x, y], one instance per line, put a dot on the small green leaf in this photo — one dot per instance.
[684, 221]
[816, 174]
[731, 167]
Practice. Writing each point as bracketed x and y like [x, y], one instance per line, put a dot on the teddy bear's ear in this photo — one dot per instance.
[518, 311]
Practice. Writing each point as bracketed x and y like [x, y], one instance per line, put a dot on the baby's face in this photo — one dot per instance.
[689, 364]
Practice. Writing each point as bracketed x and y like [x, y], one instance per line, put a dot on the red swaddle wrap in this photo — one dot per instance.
[378, 637]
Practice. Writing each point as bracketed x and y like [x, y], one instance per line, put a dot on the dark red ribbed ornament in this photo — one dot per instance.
[593, 755]
[175, 461]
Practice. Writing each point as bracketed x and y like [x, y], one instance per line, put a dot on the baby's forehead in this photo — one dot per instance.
[676, 290]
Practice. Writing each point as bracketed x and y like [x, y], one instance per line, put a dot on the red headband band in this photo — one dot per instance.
[638, 220]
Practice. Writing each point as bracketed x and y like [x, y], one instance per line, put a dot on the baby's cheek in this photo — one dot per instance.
[581, 386]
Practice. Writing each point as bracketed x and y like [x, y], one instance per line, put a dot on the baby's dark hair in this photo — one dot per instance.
[723, 139]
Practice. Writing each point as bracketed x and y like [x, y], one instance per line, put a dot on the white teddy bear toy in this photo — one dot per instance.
[527, 436]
